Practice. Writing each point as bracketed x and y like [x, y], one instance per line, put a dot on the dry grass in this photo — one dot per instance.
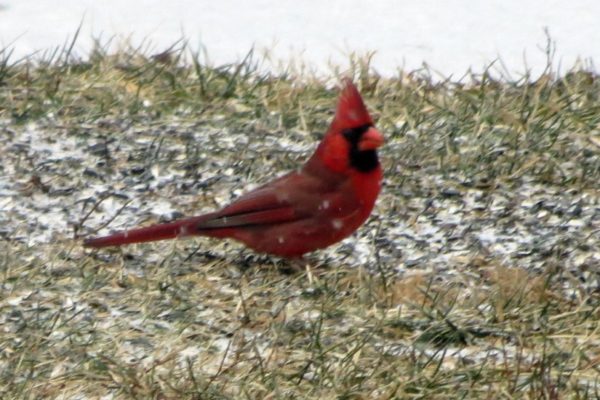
[416, 315]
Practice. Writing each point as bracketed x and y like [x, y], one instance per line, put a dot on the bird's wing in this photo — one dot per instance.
[293, 197]
[257, 215]
[269, 204]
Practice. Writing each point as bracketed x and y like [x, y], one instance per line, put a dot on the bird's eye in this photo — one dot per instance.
[350, 135]
[353, 135]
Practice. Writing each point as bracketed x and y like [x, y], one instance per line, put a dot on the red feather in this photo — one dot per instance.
[319, 205]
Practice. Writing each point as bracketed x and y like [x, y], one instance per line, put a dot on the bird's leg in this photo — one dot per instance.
[309, 273]
[302, 266]
[292, 266]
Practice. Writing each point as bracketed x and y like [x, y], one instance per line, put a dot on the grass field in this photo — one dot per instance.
[477, 276]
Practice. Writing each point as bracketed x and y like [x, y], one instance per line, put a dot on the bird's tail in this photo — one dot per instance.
[170, 230]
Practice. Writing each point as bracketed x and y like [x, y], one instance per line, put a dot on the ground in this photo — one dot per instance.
[477, 275]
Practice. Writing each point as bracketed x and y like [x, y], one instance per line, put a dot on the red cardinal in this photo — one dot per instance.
[308, 209]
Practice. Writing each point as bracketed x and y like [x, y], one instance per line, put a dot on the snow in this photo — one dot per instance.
[450, 36]
[337, 224]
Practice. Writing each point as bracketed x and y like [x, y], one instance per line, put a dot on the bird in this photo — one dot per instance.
[313, 207]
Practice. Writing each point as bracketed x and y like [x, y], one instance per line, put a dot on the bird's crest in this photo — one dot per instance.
[351, 111]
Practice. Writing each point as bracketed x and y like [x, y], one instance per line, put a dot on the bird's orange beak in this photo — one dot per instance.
[370, 140]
